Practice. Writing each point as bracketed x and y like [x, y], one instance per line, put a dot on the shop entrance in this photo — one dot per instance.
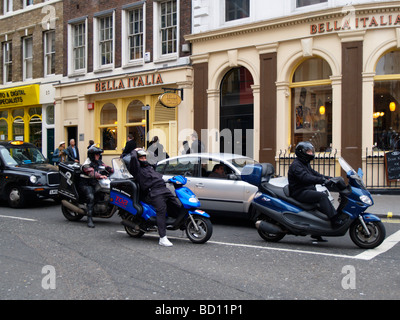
[237, 113]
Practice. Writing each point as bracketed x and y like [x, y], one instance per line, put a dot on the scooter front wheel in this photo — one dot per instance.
[199, 229]
[377, 233]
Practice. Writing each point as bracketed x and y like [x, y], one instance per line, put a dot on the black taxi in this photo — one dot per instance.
[25, 174]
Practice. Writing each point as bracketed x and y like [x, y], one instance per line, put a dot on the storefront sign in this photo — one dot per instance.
[351, 22]
[129, 83]
[170, 100]
[20, 96]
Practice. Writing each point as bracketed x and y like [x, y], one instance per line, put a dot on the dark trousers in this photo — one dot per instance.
[163, 201]
[312, 196]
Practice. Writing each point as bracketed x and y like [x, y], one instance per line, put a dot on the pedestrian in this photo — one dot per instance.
[186, 148]
[155, 193]
[129, 146]
[72, 151]
[59, 154]
[197, 146]
[156, 150]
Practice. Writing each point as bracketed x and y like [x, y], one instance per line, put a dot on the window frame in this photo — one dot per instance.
[7, 64]
[27, 61]
[236, 19]
[51, 54]
[72, 71]
[98, 66]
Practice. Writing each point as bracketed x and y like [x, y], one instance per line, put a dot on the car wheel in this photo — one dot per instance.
[15, 198]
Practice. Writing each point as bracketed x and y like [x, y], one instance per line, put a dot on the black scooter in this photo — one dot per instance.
[278, 214]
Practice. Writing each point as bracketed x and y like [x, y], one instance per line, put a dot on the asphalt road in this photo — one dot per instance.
[43, 256]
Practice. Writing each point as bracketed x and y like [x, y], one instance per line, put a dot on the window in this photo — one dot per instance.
[78, 46]
[168, 27]
[136, 122]
[108, 126]
[311, 104]
[7, 62]
[27, 3]
[27, 58]
[135, 34]
[304, 3]
[35, 126]
[236, 9]
[7, 6]
[182, 166]
[3, 125]
[386, 116]
[50, 53]
[106, 40]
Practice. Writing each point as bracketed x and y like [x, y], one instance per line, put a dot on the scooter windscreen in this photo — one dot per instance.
[352, 174]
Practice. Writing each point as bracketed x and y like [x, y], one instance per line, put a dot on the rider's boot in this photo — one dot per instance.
[90, 223]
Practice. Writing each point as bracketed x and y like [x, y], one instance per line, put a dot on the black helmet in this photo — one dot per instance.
[301, 151]
[92, 151]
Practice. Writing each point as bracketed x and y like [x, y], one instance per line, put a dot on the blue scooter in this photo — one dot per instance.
[278, 214]
[139, 217]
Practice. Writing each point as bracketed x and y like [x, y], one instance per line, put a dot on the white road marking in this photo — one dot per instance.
[17, 218]
[369, 254]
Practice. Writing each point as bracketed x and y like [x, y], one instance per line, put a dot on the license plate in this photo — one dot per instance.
[53, 191]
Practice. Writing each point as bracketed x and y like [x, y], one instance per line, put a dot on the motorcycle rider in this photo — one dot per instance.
[88, 182]
[302, 180]
[155, 192]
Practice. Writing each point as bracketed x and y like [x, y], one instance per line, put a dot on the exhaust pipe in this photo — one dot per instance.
[129, 224]
[267, 227]
[72, 207]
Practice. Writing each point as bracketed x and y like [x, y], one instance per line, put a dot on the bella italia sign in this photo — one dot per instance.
[130, 82]
[352, 22]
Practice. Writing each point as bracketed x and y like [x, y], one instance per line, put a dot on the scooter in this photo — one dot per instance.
[73, 206]
[278, 214]
[139, 217]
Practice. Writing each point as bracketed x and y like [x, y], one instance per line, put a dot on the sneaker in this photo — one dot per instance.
[165, 242]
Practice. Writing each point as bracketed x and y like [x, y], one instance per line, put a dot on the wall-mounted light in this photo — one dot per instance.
[322, 110]
[392, 106]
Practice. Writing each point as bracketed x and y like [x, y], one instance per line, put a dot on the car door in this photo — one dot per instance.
[219, 193]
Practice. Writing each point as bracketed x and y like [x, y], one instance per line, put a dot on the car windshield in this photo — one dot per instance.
[240, 163]
[22, 155]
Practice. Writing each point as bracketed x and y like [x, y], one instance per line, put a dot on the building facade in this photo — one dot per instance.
[267, 77]
[31, 62]
[120, 56]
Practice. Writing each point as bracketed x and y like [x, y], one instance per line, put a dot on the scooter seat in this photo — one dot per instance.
[283, 194]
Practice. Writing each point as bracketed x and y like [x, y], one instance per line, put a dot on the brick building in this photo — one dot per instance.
[119, 58]
[31, 62]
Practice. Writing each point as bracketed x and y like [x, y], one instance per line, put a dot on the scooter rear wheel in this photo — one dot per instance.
[133, 232]
[360, 237]
[202, 233]
[70, 215]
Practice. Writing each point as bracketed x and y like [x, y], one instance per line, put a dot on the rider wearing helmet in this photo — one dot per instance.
[88, 182]
[155, 192]
[302, 180]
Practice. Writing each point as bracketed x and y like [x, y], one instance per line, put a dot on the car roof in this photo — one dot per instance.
[221, 156]
[16, 143]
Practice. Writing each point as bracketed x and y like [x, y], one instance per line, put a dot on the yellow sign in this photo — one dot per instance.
[20, 96]
[170, 100]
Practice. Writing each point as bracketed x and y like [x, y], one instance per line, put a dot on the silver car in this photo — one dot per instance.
[226, 193]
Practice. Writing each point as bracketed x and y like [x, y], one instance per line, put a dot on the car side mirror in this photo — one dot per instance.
[232, 176]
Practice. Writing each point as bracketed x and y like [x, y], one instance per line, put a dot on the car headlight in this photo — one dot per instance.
[365, 199]
[33, 179]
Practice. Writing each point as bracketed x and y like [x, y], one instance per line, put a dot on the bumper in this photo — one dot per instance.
[40, 192]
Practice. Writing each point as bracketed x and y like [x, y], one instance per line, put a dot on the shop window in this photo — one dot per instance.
[386, 116]
[311, 105]
[3, 127]
[237, 112]
[136, 122]
[50, 114]
[35, 126]
[236, 9]
[108, 126]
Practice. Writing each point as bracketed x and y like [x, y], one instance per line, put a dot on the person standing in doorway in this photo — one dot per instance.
[73, 151]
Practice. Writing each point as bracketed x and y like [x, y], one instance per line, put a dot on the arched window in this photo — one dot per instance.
[311, 104]
[3, 125]
[35, 126]
[136, 122]
[386, 102]
[237, 112]
[18, 125]
[108, 127]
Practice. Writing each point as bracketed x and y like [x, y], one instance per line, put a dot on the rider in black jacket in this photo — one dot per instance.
[302, 180]
[155, 192]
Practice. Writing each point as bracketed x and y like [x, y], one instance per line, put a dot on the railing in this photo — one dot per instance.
[326, 163]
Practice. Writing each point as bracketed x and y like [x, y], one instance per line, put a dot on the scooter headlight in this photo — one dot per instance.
[365, 199]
